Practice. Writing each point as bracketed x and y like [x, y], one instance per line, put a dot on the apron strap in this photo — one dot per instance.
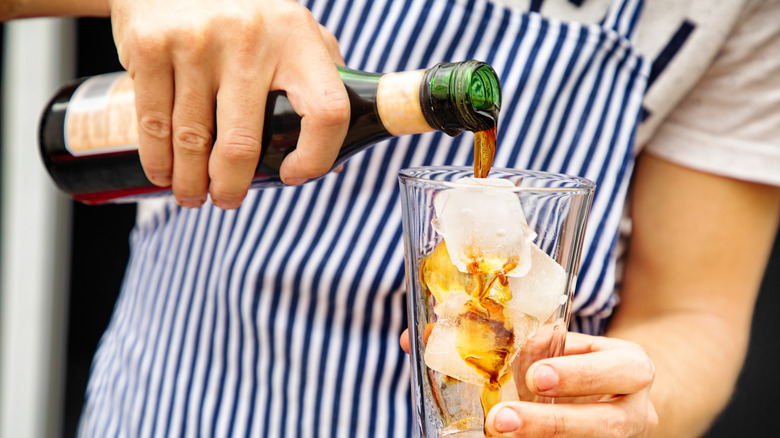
[623, 16]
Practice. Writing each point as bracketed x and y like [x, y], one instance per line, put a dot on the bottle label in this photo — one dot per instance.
[398, 103]
[101, 116]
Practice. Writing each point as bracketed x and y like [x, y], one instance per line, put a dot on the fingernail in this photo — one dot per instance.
[545, 378]
[506, 420]
[294, 181]
[227, 205]
[160, 179]
[191, 202]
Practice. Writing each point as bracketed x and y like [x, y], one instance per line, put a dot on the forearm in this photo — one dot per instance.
[698, 357]
[696, 258]
[10, 9]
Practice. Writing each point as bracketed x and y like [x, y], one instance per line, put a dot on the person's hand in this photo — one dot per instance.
[196, 60]
[601, 388]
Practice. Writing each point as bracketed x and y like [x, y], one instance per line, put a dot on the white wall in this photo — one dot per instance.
[35, 229]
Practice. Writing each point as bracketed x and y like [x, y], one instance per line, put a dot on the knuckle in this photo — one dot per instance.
[551, 424]
[333, 107]
[191, 141]
[244, 37]
[157, 126]
[195, 51]
[587, 377]
[146, 45]
[618, 424]
[295, 15]
[557, 425]
[330, 40]
[241, 145]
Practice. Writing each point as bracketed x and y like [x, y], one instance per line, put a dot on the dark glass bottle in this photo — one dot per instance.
[88, 131]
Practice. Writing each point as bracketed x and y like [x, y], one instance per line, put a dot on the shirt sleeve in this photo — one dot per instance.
[729, 123]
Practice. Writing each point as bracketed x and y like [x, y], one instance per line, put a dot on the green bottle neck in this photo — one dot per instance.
[461, 96]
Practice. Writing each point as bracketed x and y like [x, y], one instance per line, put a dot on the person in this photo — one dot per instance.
[277, 312]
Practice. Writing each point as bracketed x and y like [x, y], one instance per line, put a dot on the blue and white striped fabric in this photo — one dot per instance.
[282, 318]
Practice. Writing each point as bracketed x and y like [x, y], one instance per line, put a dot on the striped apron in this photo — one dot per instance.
[282, 318]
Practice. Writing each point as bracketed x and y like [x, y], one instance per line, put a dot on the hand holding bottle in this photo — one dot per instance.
[201, 64]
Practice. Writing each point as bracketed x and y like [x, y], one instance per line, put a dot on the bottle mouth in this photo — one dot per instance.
[485, 94]
[464, 95]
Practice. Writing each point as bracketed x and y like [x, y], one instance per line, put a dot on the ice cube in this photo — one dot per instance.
[441, 352]
[458, 331]
[484, 227]
[458, 402]
[523, 327]
[539, 293]
[441, 277]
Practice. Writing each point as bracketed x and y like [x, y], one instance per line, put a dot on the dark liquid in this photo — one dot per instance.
[484, 152]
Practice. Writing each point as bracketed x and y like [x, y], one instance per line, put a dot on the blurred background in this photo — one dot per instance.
[62, 262]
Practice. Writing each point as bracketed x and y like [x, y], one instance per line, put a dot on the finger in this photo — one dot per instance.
[618, 371]
[578, 343]
[154, 105]
[240, 110]
[193, 127]
[404, 341]
[524, 419]
[318, 95]
[324, 122]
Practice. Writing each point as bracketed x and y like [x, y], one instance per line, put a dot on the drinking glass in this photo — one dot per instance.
[480, 316]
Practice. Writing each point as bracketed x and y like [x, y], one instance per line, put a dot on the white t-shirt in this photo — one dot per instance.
[713, 102]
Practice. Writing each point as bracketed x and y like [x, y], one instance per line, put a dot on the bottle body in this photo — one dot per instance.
[88, 132]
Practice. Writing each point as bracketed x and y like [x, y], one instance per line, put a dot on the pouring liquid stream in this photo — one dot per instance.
[484, 152]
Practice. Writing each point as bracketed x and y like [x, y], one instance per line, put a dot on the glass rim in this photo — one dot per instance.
[583, 185]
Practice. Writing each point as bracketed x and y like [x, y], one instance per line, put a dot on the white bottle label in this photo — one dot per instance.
[101, 116]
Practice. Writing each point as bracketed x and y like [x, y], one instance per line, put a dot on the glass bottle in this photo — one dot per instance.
[89, 134]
